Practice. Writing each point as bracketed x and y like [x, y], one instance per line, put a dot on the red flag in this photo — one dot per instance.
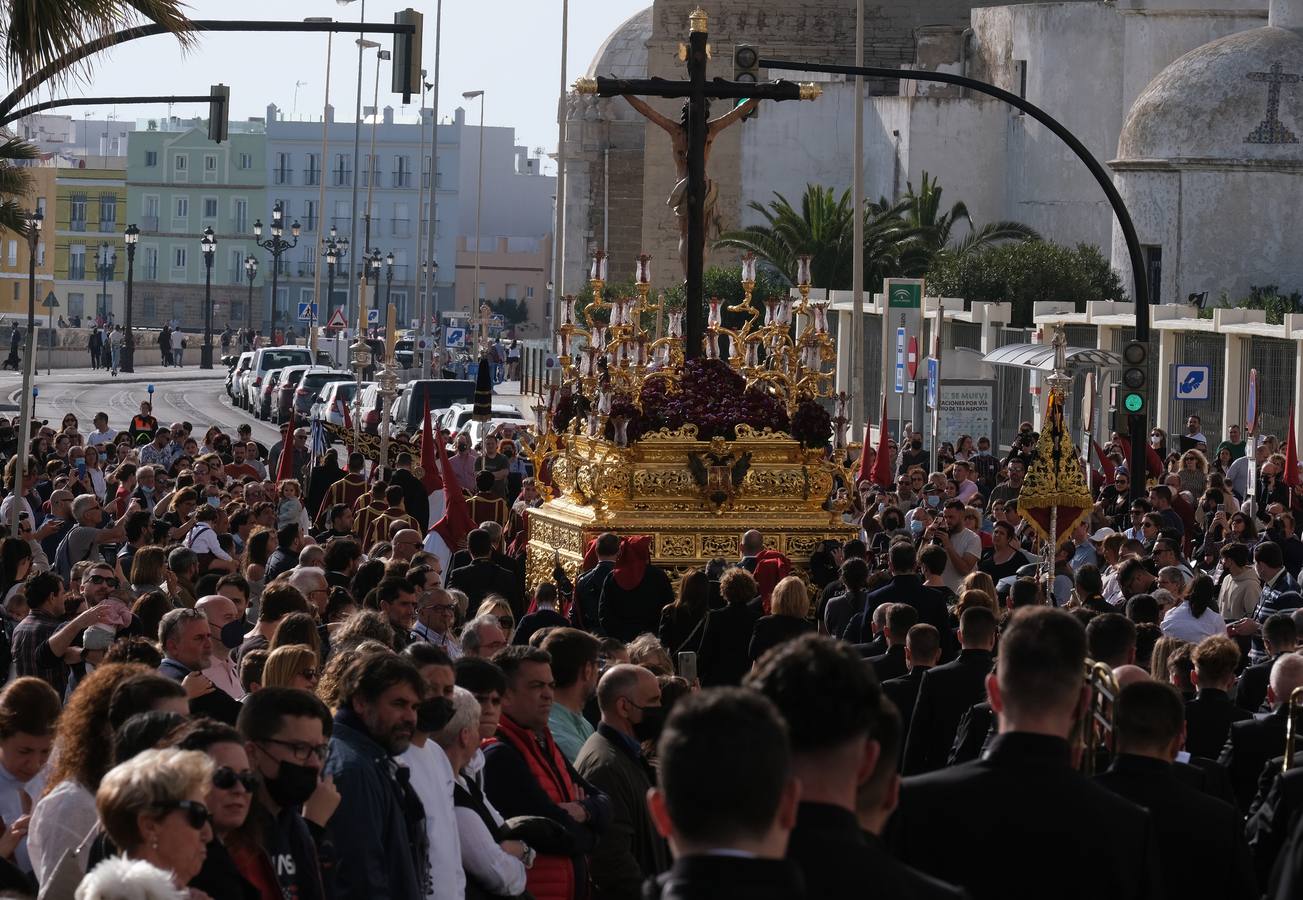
[1291, 454]
[429, 459]
[882, 465]
[285, 462]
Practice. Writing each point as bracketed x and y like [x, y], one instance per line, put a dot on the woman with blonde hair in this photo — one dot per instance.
[646, 650]
[291, 666]
[1194, 473]
[971, 597]
[499, 608]
[152, 807]
[789, 617]
[978, 581]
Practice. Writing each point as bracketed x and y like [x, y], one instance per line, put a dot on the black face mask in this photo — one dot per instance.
[916, 445]
[433, 713]
[293, 784]
[232, 634]
[653, 720]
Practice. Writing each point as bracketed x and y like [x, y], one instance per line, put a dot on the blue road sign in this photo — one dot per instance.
[307, 312]
[455, 336]
[1193, 382]
[933, 376]
[901, 342]
[373, 317]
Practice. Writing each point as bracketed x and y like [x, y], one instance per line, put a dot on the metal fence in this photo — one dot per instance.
[1209, 350]
[1274, 359]
[1012, 387]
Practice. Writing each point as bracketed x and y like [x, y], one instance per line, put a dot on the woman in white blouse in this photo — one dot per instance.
[1196, 616]
[497, 867]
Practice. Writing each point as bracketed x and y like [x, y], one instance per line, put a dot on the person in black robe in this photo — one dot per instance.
[637, 591]
[324, 474]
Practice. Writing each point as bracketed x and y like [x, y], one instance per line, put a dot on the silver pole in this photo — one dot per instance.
[479, 200]
[558, 237]
[432, 276]
[321, 205]
[357, 150]
[857, 261]
[936, 410]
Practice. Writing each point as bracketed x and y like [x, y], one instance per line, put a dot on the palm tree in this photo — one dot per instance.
[923, 211]
[39, 32]
[824, 228]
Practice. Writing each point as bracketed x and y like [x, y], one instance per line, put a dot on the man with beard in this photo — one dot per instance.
[963, 548]
[381, 845]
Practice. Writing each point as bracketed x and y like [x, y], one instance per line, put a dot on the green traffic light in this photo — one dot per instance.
[1134, 403]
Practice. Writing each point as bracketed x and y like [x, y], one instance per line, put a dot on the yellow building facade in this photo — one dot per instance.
[14, 259]
[90, 262]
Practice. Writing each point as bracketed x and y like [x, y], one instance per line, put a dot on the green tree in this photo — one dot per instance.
[934, 228]
[824, 228]
[513, 312]
[37, 32]
[1024, 273]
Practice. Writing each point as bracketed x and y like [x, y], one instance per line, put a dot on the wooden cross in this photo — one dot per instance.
[693, 136]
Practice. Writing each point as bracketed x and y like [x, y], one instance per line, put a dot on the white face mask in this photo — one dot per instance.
[1156, 442]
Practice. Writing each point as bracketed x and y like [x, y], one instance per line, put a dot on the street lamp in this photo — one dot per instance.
[105, 263]
[276, 245]
[25, 428]
[479, 199]
[208, 245]
[250, 272]
[371, 270]
[335, 250]
[130, 237]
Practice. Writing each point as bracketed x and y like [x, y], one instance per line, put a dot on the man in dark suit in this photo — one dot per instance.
[907, 587]
[834, 709]
[947, 692]
[585, 612]
[1254, 741]
[1279, 635]
[611, 759]
[726, 815]
[901, 617]
[1111, 639]
[922, 650]
[1189, 825]
[725, 652]
[1209, 715]
[752, 543]
[481, 577]
[416, 499]
[1037, 692]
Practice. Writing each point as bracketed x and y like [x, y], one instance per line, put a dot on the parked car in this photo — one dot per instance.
[371, 406]
[265, 360]
[327, 407]
[240, 366]
[267, 393]
[459, 414]
[311, 385]
[283, 399]
[440, 393]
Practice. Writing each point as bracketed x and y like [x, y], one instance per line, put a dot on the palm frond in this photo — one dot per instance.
[995, 233]
[13, 218]
[37, 32]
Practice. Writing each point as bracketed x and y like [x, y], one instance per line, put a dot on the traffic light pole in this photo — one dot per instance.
[1138, 417]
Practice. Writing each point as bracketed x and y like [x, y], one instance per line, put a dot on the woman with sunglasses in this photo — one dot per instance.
[152, 807]
[292, 666]
[236, 865]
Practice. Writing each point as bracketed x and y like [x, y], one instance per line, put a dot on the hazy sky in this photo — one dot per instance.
[511, 49]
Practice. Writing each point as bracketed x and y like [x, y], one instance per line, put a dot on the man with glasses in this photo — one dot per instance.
[287, 732]
[405, 544]
[83, 541]
[60, 514]
[1139, 509]
[436, 612]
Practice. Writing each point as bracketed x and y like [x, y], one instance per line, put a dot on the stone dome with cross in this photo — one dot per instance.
[1238, 98]
[1210, 166]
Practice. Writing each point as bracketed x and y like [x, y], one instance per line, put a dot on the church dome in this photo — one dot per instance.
[624, 53]
[1236, 99]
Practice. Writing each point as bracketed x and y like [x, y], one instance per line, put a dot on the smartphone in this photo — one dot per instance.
[688, 666]
[81, 466]
[214, 501]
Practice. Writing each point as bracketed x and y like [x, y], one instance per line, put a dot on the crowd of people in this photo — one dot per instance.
[232, 675]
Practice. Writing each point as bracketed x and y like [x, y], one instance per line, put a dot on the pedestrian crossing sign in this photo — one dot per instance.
[307, 312]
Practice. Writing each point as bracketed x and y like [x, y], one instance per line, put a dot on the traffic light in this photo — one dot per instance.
[746, 67]
[406, 69]
[219, 112]
[1135, 378]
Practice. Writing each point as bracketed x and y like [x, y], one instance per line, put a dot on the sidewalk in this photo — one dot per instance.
[11, 382]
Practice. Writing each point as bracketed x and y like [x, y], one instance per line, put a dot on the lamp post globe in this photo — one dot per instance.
[208, 245]
[130, 237]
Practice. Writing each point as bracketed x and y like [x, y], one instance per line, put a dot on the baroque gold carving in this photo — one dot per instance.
[676, 545]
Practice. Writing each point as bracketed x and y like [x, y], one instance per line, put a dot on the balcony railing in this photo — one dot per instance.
[341, 224]
[372, 176]
[311, 177]
[342, 177]
[402, 179]
[402, 228]
[306, 268]
[149, 223]
[282, 176]
[149, 272]
[76, 271]
[77, 225]
[108, 225]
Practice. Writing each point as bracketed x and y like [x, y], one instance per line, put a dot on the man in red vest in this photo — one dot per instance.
[526, 775]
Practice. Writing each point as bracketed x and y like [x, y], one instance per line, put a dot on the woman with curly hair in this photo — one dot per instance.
[83, 753]
[1194, 472]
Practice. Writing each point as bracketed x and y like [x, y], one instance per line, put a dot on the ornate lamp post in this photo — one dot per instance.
[335, 250]
[130, 237]
[208, 245]
[389, 277]
[276, 245]
[371, 269]
[29, 366]
[250, 272]
[105, 264]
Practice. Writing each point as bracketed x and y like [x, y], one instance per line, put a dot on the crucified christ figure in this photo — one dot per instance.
[678, 132]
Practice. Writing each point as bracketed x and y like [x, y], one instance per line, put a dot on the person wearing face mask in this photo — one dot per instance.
[913, 455]
[463, 461]
[227, 630]
[286, 730]
[630, 851]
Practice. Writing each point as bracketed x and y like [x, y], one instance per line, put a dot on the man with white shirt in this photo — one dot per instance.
[227, 630]
[966, 490]
[436, 611]
[1240, 473]
[102, 434]
[963, 548]
[432, 774]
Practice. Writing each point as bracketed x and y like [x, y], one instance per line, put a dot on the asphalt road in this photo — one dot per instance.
[189, 394]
